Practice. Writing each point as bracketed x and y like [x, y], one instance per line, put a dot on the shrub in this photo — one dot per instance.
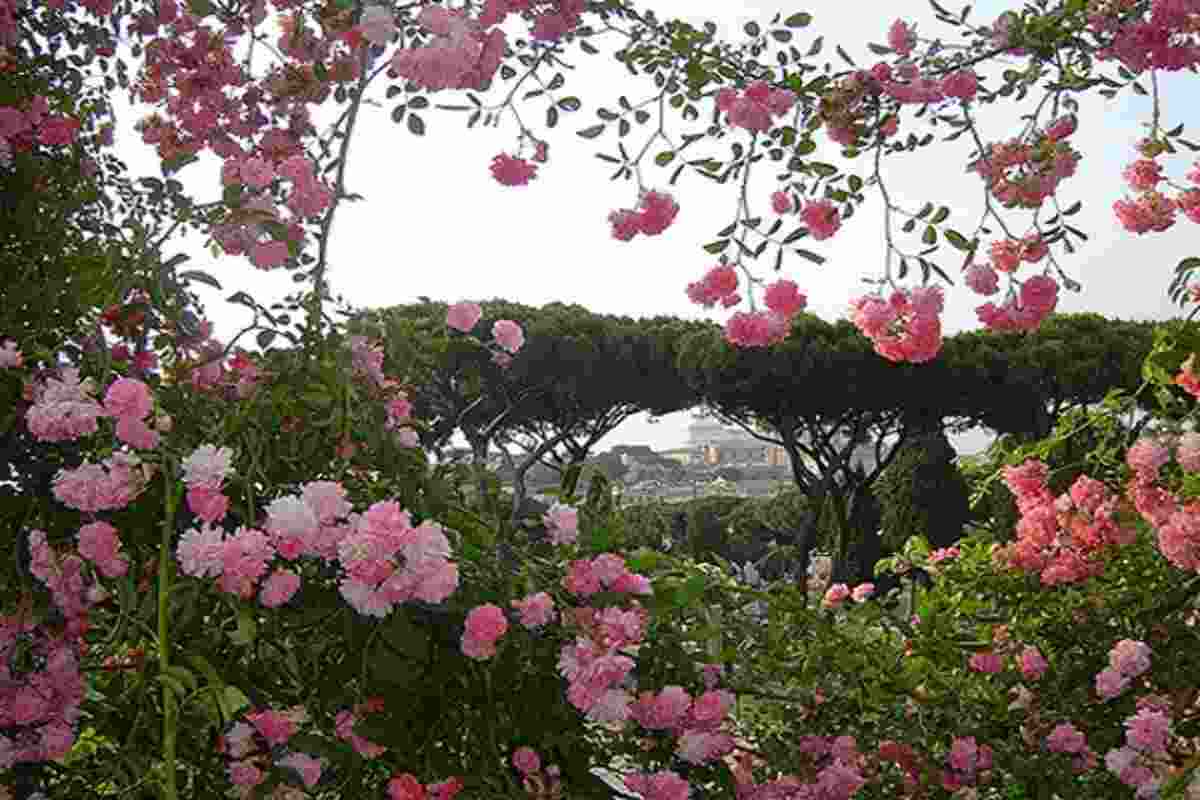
[922, 493]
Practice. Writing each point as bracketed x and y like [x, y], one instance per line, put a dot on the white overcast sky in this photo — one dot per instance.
[435, 223]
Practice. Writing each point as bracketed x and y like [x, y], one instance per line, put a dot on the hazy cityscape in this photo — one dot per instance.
[716, 459]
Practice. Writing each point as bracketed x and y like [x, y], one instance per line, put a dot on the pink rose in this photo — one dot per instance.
[526, 760]
[508, 335]
[463, 316]
[835, 595]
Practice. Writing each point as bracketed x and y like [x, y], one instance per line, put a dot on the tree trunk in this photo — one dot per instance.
[859, 542]
[518, 498]
[570, 481]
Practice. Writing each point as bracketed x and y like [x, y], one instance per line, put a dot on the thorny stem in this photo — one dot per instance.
[1155, 118]
[743, 212]
[170, 790]
[989, 210]
[508, 99]
[339, 189]
[887, 212]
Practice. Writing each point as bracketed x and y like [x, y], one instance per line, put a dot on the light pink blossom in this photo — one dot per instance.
[508, 335]
[463, 316]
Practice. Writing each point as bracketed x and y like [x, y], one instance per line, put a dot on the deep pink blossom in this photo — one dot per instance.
[962, 84]
[1143, 174]
[626, 224]
[982, 279]
[784, 298]
[1066, 738]
[902, 37]
[510, 171]
[756, 329]
[835, 595]
[535, 610]
[279, 588]
[822, 218]
[207, 503]
[484, 626]
[1033, 664]
[663, 785]
[658, 211]
[986, 662]
[526, 760]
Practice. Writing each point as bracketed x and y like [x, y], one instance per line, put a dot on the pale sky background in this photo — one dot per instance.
[435, 223]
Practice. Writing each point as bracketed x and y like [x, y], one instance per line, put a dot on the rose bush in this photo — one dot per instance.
[236, 571]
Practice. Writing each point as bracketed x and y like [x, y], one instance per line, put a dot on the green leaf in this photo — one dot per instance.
[247, 628]
[205, 668]
[242, 299]
[937, 269]
[1189, 263]
[795, 235]
[172, 683]
[201, 277]
[799, 20]
[693, 588]
[664, 158]
[643, 560]
[958, 240]
[930, 236]
[184, 676]
[570, 104]
[717, 246]
[940, 216]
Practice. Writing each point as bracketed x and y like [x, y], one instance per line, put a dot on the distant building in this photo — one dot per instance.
[684, 455]
[715, 444]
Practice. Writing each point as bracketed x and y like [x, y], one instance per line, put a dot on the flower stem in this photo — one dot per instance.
[164, 642]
